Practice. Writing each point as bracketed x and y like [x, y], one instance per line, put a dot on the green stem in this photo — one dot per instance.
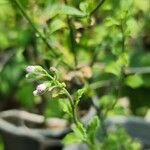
[97, 7]
[33, 26]
[73, 107]
[74, 114]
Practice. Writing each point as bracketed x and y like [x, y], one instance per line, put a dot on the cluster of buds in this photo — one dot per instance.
[33, 69]
[35, 73]
[49, 82]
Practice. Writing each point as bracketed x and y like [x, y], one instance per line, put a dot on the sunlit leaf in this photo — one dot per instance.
[134, 81]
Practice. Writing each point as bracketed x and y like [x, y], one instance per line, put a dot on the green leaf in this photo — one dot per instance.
[109, 22]
[65, 106]
[123, 59]
[71, 138]
[92, 127]
[113, 68]
[134, 81]
[77, 136]
[56, 25]
[83, 7]
[79, 131]
[106, 101]
[68, 10]
[79, 94]
[60, 9]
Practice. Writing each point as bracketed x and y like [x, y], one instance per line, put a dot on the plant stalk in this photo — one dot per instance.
[44, 39]
[73, 107]
[97, 7]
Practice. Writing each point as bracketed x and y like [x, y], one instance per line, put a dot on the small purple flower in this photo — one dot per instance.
[30, 69]
[41, 88]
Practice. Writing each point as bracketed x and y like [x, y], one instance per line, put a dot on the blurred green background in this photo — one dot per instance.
[21, 46]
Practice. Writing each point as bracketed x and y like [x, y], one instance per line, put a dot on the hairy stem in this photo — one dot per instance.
[74, 114]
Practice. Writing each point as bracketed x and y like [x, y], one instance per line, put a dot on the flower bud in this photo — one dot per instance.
[41, 88]
[30, 69]
[34, 69]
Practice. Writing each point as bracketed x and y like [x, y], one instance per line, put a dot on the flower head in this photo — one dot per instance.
[30, 69]
[41, 88]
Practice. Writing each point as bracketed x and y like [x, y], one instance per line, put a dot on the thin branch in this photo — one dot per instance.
[33, 26]
[97, 7]
[73, 107]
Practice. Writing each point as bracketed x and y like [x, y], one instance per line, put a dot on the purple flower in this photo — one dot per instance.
[41, 88]
[30, 69]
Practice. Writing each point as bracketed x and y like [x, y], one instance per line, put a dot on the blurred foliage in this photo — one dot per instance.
[121, 141]
[21, 45]
[1, 144]
[52, 33]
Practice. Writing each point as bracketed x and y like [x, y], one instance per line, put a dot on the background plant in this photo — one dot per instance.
[103, 45]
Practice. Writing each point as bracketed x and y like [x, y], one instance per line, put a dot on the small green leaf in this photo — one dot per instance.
[77, 136]
[123, 59]
[92, 127]
[134, 81]
[79, 131]
[79, 94]
[109, 22]
[71, 138]
[106, 101]
[59, 9]
[56, 25]
[68, 10]
[65, 106]
[113, 68]
[83, 6]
